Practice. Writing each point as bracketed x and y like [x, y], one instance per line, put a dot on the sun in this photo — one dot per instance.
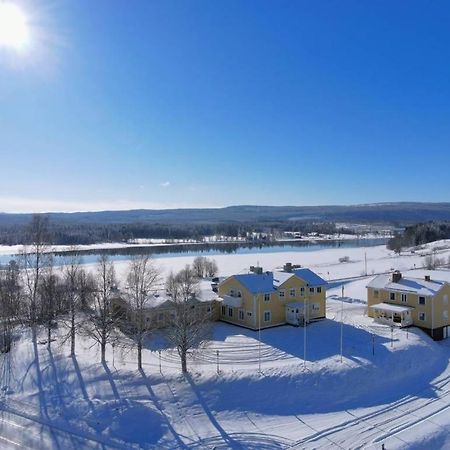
[14, 30]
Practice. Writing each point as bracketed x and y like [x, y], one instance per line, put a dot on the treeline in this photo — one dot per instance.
[63, 233]
[419, 234]
[37, 295]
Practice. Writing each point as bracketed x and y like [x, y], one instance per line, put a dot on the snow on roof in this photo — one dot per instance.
[391, 308]
[407, 284]
[257, 283]
[280, 277]
[307, 275]
[310, 277]
[159, 297]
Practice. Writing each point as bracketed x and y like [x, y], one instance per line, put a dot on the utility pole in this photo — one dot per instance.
[159, 353]
[432, 317]
[217, 353]
[305, 312]
[259, 335]
[365, 263]
[342, 321]
[392, 336]
[373, 344]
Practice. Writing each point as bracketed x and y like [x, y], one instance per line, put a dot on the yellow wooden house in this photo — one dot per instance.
[265, 299]
[402, 301]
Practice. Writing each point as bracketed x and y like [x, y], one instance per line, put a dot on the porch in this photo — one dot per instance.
[393, 315]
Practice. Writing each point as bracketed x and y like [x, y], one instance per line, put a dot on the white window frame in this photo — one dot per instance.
[311, 290]
[282, 293]
[241, 314]
[404, 298]
[319, 290]
[315, 306]
[267, 297]
[230, 311]
[270, 316]
[302, 291]
[392, 296]
[249, 314]
[292, 292]
[376, 293]
[445, 299]
[420, 315]
[424, 300]
[445, 314]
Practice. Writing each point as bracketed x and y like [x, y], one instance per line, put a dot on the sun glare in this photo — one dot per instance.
[14, 32]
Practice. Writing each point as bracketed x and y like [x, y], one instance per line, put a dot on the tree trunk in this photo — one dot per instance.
[103, 349]
[183, 362]
[72, 336]
[139, 349]
[49, 335]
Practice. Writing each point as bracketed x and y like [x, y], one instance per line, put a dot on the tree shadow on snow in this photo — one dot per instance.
[326, 385]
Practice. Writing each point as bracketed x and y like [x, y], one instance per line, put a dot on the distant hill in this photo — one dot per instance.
[400, 212]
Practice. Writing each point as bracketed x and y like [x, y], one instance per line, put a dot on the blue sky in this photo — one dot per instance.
[126, 104]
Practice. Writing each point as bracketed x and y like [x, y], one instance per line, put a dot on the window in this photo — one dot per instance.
[230, 312]
[392, 295]
[404, 298]
[315, 307]
[267, 297]
[319, 290]
[421, 300]
[160, 316]
[208, 309]
[232, 293]
[375, 293]
[241, 314]
[239, 294]
[249, 313]
[421, 316]
[147, 319]
[281, 293]
[223, 310]
[292, 292]
[311, 290]
[302, 291]
[445, 314]
[267, 316]
[445, 299]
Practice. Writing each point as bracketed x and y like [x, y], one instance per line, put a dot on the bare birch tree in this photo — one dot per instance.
[34, 260]
[142, 279]
[48, 293]
[189, 325]
[10, 303]
[101, 323]
[73, 275]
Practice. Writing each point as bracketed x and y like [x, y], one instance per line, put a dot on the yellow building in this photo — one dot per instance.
[404, 301]
[266, 299]
[159, 309]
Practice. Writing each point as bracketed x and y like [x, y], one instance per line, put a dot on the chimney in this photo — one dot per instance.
[396, 276]
[427, 278]
[288, 267]
[256, 269]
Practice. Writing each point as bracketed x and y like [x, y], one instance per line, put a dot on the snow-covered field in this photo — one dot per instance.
[391, 389]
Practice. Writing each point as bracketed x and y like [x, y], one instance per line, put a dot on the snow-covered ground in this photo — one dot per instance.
[389, 388]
